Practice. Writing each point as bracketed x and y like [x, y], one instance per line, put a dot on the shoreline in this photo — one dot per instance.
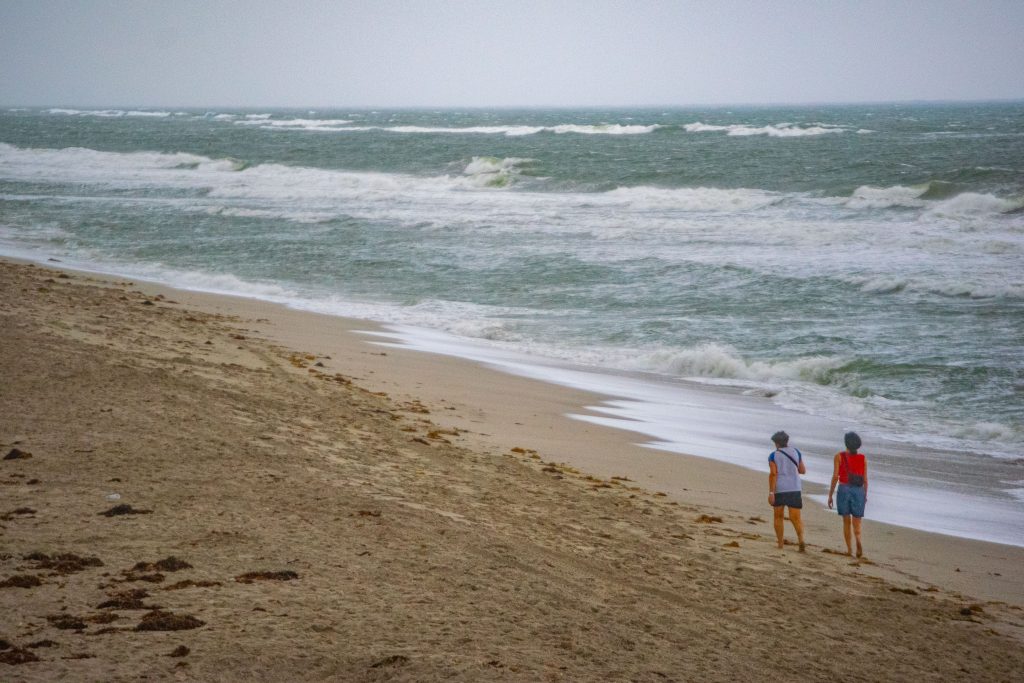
[265, 496]
[625, 400]
[496, 411]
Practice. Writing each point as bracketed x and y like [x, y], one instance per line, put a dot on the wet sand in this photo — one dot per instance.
[303, 504]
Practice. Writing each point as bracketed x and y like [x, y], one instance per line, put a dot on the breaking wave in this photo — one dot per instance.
[891, 284]
[495, 172]
[937, 197]
[716, 361]
[780, 130]
[867, 197]
[108, 113]
[341, 125]
[696, 198]
[264, 121]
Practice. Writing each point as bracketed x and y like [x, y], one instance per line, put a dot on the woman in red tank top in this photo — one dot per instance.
[850, 472]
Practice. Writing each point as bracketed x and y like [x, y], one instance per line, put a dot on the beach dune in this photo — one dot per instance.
[206, 488]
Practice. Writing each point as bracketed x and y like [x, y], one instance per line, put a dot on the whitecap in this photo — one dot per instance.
[695, 198]
[868, 197]
[307, 124]
[781, 130]
[974, 204]
[988, 431]
[723, 362]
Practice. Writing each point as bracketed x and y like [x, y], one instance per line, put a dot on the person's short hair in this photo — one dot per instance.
[852, 441]
[780, 438]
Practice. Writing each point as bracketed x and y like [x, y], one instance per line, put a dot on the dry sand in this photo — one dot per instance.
[383, 527]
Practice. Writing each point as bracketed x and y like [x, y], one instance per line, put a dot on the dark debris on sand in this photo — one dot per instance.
[189, 583]
[66, 622]
[169, 564]
[62, 563]
[18, 511]
[17, 454]
[124, 509]
[158, 620]
[127, 600]
[151, 578]
[17, 655]
[21, 581]
[249, 577]
[43, 643]
[393, 660]
[180, 651]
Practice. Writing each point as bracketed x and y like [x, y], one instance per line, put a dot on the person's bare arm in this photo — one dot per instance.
[835, 479]
[865, 480]
[801, 468]
[773, 475]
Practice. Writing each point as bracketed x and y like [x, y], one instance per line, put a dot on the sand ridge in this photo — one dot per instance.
[302, 527]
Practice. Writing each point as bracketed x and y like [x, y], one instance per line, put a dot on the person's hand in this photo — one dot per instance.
[771, 499]
[830, 501]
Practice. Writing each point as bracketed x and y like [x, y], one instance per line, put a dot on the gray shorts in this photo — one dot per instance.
[790, 499]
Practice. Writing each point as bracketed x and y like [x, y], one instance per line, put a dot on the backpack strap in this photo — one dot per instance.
[789, 457]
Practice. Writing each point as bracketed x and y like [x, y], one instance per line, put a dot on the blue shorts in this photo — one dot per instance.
[850, 500]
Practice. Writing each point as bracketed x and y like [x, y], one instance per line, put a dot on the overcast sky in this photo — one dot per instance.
[509, 53]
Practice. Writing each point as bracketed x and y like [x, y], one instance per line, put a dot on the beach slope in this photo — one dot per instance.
[183, 499]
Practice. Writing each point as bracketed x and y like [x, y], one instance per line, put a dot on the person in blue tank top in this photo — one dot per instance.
[785, 465]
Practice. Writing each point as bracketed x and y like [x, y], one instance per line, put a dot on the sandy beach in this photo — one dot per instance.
[198, 487]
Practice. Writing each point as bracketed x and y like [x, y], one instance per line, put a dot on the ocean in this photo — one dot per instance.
[719, 273]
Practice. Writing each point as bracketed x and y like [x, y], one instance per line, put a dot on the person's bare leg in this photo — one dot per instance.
[779, 522]
[846, 534]
[856, 532]
[798, 524]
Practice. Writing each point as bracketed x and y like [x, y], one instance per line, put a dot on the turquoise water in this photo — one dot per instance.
[856, 263]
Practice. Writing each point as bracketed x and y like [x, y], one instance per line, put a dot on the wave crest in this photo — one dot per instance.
[108, 113]
[780, 130]
[869, 197]
[494, 172]
[939, 198]
[696, 198]
[722, 362]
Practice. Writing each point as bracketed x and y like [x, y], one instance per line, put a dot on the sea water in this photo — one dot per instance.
[720, 272]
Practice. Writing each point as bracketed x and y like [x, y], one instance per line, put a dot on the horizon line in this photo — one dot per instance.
[713, 105]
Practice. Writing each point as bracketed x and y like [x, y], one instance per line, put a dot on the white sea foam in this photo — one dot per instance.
[494, 172]
[695, 198]
[974, 204]
[781, 130]
[965, 286]
[722, 362]
[513, 131]
[263, 121]
[111, 114]
[868, 197]
[153, 114]
[293, 216]
[988, 431]
[880, 284]
[340, 125]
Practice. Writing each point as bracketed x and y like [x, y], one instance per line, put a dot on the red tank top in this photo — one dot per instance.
[857, 465]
